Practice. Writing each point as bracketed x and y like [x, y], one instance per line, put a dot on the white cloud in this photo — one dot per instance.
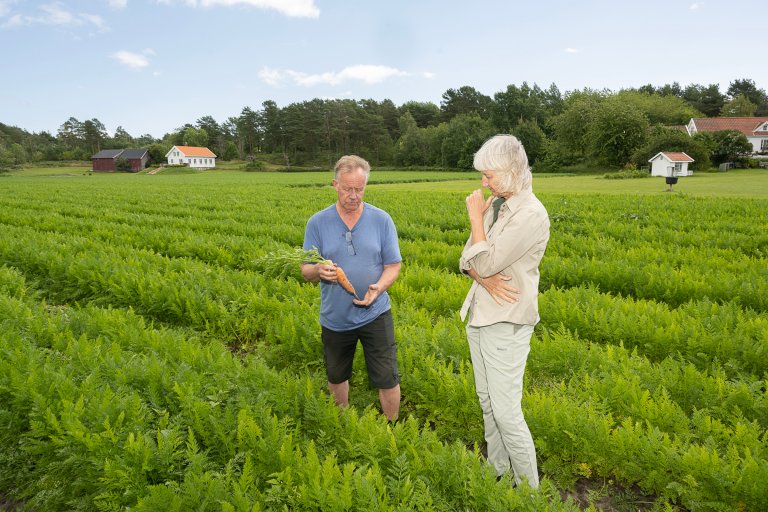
[14, 21]
[369, 74]
[572, 50]
[130, 59]
[94, 19]
[5, 7]
[54, 13]
[429, 75]
[363, 73]
[694, 7]
[118, 4]
[271, 76]
[293, 8]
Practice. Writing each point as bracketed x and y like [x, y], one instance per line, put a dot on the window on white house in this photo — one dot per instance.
[764, 145]
[678, 166]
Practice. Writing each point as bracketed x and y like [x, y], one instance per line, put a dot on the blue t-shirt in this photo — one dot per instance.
[363, 254]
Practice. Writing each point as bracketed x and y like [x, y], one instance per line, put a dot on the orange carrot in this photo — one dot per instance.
[343, 280]
[282, 262]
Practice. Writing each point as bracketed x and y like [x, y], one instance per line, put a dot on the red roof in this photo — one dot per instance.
[677, 157]
[195, 151]
[745, 125]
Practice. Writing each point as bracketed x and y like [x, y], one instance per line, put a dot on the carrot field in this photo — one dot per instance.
[151, 358]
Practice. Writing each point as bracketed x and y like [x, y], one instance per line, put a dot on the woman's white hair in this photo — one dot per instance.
[505, 155]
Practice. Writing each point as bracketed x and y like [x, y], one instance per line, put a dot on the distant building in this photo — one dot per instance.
[199, 158]
[754, 128]
[106, 159]
[670, 164]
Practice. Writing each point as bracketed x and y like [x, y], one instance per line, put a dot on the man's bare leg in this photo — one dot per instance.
[340, 393]
[390, 402]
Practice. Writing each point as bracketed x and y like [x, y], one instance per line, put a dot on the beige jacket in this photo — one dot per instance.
[515, 245]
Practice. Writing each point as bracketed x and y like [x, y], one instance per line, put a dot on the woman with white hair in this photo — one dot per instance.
[509, 234]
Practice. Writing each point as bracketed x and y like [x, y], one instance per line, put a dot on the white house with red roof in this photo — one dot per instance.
[754, 128]
[196, 157]
[670, 164]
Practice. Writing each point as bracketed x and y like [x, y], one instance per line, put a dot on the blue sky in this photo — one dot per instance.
[152, 65]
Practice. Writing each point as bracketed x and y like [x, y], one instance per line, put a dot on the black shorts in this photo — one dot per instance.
[379, 349]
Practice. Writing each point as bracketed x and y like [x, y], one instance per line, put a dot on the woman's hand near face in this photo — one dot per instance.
[476, 204]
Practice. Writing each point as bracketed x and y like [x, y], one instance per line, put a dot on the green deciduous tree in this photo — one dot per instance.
[571, 126]
[410, 148]
[725, 145]
[739, 106]
[6, 159]
[424, 113]
[525, 103]
[144, 141]
[533, 139]
[122, 164]
[661, 138]
[660, 109]
[464, 135]
[195, 137]
[617, 130]
[157, 152]
[230, 151]
[19, 153]
[747, 88]
[419, 146]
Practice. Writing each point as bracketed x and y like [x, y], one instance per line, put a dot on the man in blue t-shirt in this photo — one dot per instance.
[362, 240]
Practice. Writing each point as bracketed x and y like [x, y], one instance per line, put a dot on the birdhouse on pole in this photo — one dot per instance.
[671, 165]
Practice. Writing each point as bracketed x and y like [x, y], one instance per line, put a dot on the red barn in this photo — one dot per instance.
[138, 158]
[106, 159]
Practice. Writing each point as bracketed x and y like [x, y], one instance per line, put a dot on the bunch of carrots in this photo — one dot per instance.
[284, 262]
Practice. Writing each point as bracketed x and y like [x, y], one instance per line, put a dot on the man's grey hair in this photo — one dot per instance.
[349, 163]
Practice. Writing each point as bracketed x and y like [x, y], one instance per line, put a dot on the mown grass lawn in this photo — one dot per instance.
[735, 183]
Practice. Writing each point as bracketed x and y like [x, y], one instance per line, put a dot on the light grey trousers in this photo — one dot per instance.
[499, 353]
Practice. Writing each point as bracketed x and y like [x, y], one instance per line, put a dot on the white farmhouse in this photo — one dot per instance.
[198, 158]
[754, 128]
[670, 164]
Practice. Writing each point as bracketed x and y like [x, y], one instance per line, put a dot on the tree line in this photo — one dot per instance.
[591, 127]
